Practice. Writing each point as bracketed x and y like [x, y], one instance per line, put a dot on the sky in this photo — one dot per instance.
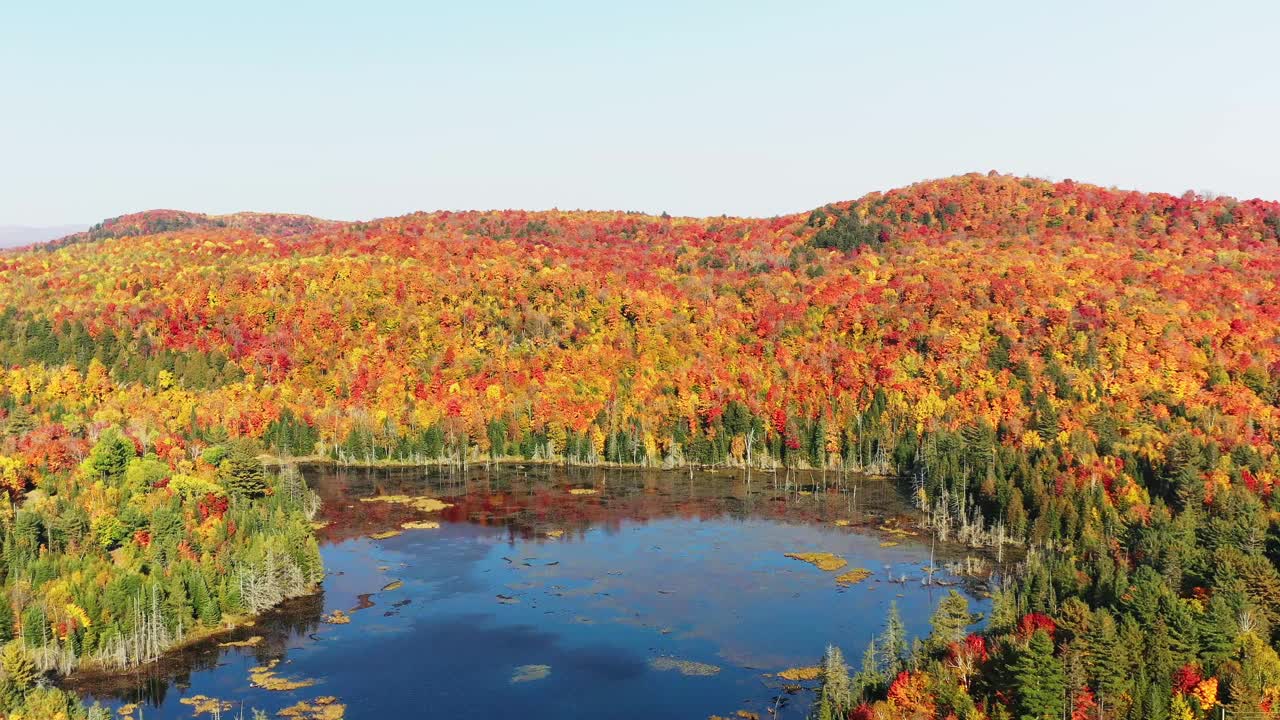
[356, 110]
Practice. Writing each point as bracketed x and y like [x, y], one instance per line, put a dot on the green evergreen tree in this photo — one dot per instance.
[206, 606]
[1038, 680]
[19, 422]
[34, 626]
[241, 471]
[1004, 610]
[870, 678]
[110, 456]
[6, 620]
[949, 622]
[19, 669]
[893, 643]
[836, 691]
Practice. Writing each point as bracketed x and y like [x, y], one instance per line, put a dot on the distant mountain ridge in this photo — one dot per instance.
[19, 235]
[153, 222]
[970, 205]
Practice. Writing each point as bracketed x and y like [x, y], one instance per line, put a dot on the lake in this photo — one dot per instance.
[555, 592]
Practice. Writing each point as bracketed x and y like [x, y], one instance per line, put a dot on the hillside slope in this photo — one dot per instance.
[631, 337]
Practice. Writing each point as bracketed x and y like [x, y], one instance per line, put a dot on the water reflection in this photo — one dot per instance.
[527, 499]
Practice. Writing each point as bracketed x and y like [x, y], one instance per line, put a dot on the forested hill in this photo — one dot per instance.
[1099, 321]
[154, 222]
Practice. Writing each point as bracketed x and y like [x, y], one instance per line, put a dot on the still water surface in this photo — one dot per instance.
[650, 595]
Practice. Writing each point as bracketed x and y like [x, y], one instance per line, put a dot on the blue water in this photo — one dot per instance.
[650, 567]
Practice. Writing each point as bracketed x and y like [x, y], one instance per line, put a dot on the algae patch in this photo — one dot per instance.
[583, 491]
[854, 576]
[420, 525]
[419, 502]
[385, 534]
[684, 667]
[249, 642]
[202, 704]
[265, 677]
[797, 674]
[822, 560]
[322, 708]
[393, 585]
[529, 673]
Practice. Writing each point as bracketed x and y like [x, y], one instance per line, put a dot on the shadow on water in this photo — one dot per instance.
[150, 684]
[567, 592]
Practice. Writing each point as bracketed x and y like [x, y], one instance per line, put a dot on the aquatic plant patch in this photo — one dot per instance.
[822, 560]
[529, 673]
[684, 667]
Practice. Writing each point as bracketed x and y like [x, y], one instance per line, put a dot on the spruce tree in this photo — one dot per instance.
[1179, 709]
[1107, 663]
[19, 422]
[19, 669]
[835, 682]
[870, 678]
[6, 620]
[823, 710]
[35, 628]
[893, 643]
[241, 472]
[111, 454]
[949, 622]
[1038, 680]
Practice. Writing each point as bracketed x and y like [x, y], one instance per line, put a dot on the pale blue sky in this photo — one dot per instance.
[364, 109]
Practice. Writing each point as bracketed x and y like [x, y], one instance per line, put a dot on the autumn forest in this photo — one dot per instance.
[1088, 378]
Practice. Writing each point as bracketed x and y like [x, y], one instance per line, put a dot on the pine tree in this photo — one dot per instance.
[206, 606]
[19, 422]
[6, 620]
[35, 627]
[1004, 610]
[111, 454]
[1179, 709]
[949, 622]
[1215, 630]
[1107, 663]
[870, 678]
[241, 472]
[894, 642]
[19, 669]
[835, 682]
[1038, 680]
[1047, 423]
[823, 709]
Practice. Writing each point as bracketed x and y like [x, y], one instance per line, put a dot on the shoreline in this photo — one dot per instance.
[510, 460]
[94, 676]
